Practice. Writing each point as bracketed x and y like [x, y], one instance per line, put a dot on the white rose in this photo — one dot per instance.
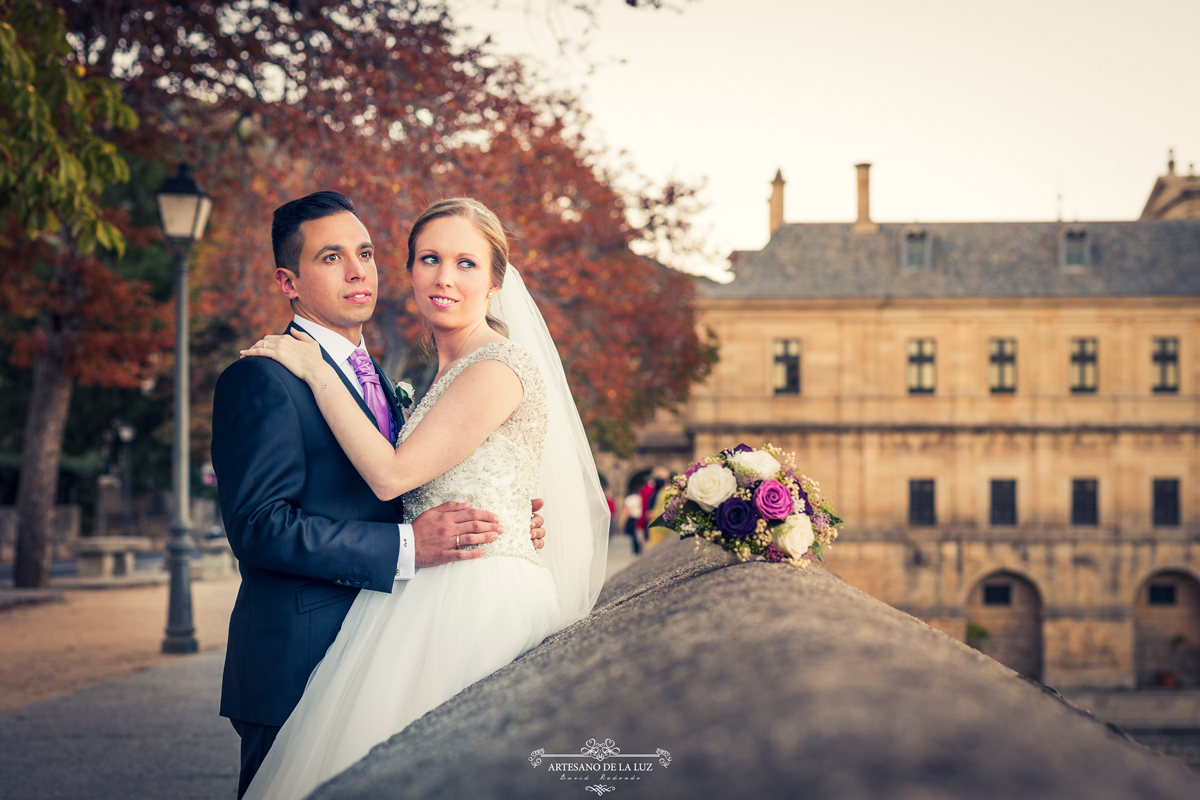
[759, 462]
[795, 535]
[710, 486]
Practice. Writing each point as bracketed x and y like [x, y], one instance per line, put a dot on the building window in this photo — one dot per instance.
[1083, 366]
[786, 377]
[1002, 365]
[1084, 509]
[1075, 252]
[997, 594]
[920, 503]
[1166, 501]
[1004, 502]
[1162, 594]
[916, 250]
[922, 366]
[1166, 365]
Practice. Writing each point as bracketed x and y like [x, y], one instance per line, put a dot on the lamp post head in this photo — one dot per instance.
[183, 208]
[126, 432]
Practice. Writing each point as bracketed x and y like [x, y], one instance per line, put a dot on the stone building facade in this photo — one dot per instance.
[1007, 415]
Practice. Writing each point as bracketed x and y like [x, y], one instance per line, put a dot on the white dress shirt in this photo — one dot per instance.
[339, 349]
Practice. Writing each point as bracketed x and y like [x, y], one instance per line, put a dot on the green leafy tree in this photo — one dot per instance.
[66, 314]
[53, 162]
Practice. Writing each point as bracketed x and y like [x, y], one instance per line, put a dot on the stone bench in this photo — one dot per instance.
[693, 679]
[216, 558]
[108, 556]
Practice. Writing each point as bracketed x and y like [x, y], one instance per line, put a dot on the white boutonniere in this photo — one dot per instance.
[404, 395]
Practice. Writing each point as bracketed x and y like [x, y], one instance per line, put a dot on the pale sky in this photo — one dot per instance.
[969, 111]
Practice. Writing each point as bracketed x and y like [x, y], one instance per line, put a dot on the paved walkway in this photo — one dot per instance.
[620, 555]
[154, 734]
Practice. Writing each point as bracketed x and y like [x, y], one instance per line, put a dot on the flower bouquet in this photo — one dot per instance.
[751, 503]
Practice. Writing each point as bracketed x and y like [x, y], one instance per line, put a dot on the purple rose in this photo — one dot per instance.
[736, 518]
[741, 448]
[772, 500]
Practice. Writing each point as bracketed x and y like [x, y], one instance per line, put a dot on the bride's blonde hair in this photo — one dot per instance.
[484, 221]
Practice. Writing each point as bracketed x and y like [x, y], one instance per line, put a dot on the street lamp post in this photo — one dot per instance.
[126, 433]
[183, 210]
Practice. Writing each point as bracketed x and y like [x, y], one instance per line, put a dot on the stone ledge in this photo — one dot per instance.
[139, 577]
[11, 598]
[1142, 709]
[761, 681]
[111, 544]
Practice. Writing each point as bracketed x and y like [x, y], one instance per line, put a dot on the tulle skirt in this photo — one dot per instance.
[400, 655]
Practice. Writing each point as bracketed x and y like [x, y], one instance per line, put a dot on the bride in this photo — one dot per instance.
[497, 428]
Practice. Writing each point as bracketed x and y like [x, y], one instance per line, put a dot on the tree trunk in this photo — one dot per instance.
[44, 427]
[46, 421]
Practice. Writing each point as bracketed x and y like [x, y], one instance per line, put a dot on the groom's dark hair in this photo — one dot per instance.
[287, 240]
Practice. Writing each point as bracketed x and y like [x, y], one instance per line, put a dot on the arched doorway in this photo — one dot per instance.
[1004, 621]
[1166, 637]
[637, 480]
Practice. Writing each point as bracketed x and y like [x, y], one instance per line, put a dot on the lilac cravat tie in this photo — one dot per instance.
[372, 391]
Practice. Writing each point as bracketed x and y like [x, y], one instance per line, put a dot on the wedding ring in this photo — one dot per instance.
[456, 541]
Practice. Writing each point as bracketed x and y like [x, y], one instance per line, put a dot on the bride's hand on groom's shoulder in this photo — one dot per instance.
[536, 531]
[297, 351]
[441, 533]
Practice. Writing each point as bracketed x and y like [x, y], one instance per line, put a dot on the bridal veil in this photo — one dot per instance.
[576, 512]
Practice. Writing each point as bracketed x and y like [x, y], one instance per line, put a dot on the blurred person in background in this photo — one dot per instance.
[631, 517]
[653, 504]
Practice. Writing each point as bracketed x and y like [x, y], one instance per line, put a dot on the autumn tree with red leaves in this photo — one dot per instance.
[384, 101]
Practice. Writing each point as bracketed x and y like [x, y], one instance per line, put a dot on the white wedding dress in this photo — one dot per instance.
[399, 655]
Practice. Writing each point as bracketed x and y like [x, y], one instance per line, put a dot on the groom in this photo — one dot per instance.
[307, 530]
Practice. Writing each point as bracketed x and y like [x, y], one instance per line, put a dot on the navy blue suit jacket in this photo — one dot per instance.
[308, 533]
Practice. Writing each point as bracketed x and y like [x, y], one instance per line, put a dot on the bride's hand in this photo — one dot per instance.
[299, 352]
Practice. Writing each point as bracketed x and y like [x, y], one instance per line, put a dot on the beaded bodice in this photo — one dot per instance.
[501, 475]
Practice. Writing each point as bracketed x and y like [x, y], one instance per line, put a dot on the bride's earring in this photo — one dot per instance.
[489, 295]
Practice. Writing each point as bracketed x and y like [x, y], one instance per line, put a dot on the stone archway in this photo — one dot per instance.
[637, 479]
[1166, 634]
[1004, 621]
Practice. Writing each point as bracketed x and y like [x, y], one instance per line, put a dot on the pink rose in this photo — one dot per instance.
[772, 500]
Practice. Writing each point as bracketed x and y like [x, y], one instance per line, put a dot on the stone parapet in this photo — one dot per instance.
[759, 680]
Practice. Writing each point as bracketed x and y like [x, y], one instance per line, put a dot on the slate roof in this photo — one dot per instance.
[970, 259]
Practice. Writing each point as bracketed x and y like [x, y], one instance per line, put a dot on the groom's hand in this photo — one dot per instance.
[441, 531]
[536, 531]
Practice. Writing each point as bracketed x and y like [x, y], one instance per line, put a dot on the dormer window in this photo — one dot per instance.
[1074, 253]
[915, 252]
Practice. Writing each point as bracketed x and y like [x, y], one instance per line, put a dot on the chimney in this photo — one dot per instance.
[863, 224]
[777, 202]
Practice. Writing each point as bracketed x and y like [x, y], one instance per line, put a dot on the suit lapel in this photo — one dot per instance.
[349, 386]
